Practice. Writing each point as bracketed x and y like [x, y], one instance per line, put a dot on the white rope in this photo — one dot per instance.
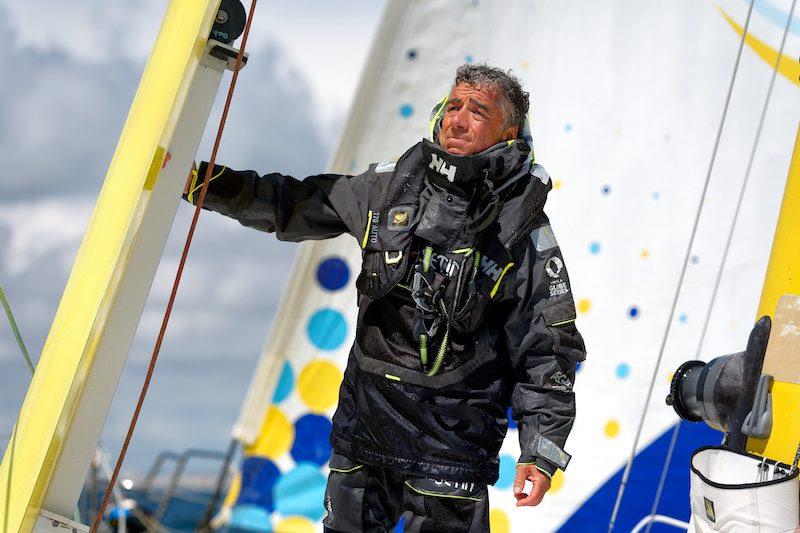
[632, 455]
[731, 232]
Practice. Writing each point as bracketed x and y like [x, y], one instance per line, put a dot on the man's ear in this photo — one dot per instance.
[510, 133]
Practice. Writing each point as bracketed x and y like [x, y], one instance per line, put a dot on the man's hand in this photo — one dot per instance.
[541, 484]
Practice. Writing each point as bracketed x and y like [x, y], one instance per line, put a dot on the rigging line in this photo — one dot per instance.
[728, 242]
[179, 273]
[15, 330]
[668, 459]
[687, 255]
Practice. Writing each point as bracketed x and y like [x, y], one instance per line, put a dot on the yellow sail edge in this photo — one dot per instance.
[68, 356]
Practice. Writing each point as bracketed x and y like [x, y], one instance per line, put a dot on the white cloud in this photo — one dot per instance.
[37, 228]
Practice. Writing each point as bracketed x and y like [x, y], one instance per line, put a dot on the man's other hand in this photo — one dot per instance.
[541, 484]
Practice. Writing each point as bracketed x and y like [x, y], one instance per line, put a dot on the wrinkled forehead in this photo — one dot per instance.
[488, 94]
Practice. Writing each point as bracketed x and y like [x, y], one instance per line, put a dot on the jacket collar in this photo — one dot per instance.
[503, 174]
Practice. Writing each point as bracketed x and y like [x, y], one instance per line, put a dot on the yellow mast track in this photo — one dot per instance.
[66, 405]
[780, 299]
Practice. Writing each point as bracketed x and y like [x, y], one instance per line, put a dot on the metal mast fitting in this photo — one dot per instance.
[66, 405]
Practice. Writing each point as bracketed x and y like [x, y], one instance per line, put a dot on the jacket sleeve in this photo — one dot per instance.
[318, 207]
[544, 346]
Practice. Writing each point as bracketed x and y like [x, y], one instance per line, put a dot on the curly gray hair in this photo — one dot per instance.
[514, 102]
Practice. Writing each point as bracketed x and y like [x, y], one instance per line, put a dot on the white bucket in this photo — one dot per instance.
[739, 492]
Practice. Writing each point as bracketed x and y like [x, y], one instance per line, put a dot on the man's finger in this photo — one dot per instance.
[519, 481]
[536, 495]
[188, 183]
[540, 486]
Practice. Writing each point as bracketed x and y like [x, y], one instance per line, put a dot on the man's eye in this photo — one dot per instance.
[451, 108]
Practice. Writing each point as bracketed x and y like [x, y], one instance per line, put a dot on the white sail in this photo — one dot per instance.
[626, 100]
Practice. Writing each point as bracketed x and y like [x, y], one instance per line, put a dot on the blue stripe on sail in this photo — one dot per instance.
[595, 512]
[776, 15]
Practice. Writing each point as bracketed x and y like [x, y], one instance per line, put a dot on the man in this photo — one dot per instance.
[464, 308]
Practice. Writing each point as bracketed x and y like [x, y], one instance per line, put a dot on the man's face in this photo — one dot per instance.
[473, 120]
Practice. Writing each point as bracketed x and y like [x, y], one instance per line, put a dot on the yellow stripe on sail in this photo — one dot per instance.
[789, 67]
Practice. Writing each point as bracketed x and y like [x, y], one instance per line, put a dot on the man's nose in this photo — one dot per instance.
[459, 119]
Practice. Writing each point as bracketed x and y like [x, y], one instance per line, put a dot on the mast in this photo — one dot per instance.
[63, 413]
[780, 299]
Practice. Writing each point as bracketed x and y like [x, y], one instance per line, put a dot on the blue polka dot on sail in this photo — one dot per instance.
[695, 259]
[568, 127]
[508, 470]
[606, 189]
[327, 329]
[633, 312]
[250, 518]
[512, 424]
[259, 476]
[594, 248]
[406, 110]
[468, 58]
[333, 273]
[683, 318]
[285, 384]
[301, 492]
[411, 54]
[623, 370]
[312, 440]
[656, 195]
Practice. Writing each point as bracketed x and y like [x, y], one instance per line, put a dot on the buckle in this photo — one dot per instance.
[393, 260]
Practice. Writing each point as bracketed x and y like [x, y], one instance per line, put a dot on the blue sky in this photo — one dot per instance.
[68, 83]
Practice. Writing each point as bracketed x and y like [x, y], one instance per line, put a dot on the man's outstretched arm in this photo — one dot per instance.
[318, 207]
[545, 347]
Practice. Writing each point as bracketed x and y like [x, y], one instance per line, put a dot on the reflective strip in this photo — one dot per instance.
[547, 449]
[562, 322]
[440, 495]
[385, 167]
[393, 378]
[366, 231]
[423, 349]
[544, 238]
[497, 285]
[465, 251]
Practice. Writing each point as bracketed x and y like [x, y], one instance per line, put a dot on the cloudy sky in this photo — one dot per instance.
[69, 79]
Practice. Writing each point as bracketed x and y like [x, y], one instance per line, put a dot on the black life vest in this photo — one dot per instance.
[447, 225]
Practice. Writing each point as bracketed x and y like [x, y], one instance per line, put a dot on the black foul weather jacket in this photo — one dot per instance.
[464, 303]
